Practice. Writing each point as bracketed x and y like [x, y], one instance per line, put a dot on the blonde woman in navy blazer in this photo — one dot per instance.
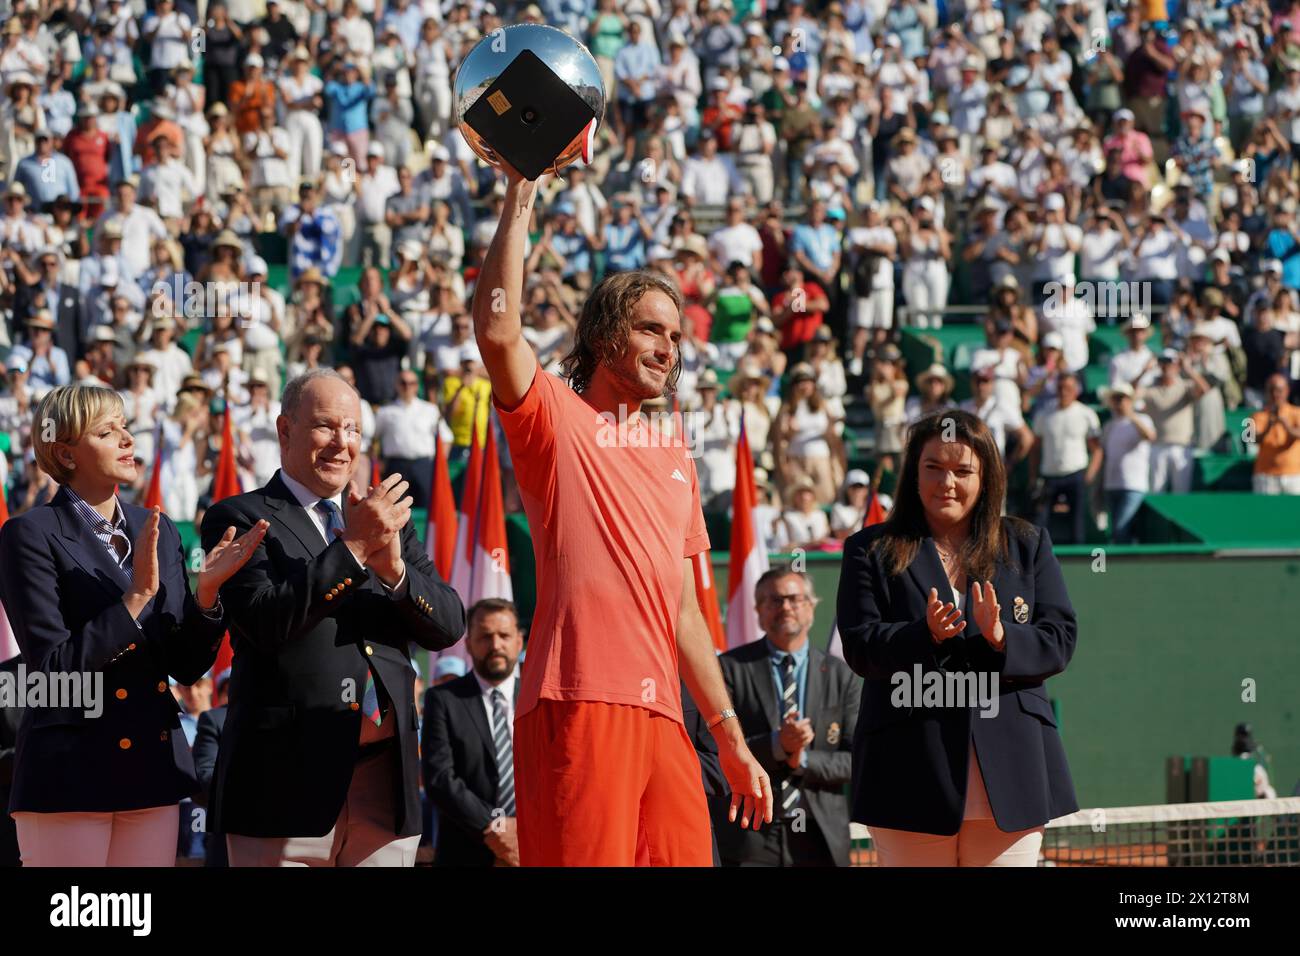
[947, 584]
[95, 586]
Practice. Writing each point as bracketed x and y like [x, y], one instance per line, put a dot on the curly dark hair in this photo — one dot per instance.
[606, 321]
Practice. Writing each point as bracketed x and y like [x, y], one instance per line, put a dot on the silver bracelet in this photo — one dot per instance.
[725, 715]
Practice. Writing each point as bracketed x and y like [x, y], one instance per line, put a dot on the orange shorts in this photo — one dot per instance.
[601, 784]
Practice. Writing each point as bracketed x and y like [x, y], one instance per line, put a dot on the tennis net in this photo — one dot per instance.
[1226, 833]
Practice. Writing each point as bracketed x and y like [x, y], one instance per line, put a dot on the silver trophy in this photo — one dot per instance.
[530, 94]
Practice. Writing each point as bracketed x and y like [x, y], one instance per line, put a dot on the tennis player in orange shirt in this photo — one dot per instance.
[605, 774]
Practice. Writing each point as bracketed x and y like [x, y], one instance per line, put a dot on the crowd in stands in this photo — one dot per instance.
[203, 200]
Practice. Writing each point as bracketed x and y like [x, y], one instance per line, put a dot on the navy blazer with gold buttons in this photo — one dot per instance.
[307, 624]
[910, 763]
[63, 594]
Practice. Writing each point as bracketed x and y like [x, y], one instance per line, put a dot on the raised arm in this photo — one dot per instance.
[498, 327]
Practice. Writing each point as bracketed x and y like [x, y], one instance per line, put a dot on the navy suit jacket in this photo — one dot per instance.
[831, 703]
[63, 594]
[460, 769]
[306, 623]
[910, 763]
[207, 741]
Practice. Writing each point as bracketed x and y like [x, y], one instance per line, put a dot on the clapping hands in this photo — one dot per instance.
[374, 525]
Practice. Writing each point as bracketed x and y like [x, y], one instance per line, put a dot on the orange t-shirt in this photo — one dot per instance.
[613, 514]
[1279, 453]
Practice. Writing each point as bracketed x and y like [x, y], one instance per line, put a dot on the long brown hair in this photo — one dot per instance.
[906, 526]
[606, 321]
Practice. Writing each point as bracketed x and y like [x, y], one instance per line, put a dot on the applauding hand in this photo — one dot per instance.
[943, 618]
[988, 614]
[226, 557]
[373, 526]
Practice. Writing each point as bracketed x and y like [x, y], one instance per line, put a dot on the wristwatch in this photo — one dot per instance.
[719, 718]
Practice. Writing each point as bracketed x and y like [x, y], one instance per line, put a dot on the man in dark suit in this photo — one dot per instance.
[62, 301]
[319, 763]
[207, 743]
[797, 708]
[468, 745]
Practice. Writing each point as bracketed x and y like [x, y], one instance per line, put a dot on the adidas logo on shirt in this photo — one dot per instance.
[678, 476]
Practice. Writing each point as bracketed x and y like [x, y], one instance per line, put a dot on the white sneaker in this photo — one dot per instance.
[855, 366]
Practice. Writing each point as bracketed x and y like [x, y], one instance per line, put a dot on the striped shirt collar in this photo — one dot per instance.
[102, 528]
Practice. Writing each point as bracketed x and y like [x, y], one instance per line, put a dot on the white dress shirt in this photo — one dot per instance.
[309, 499]
[507, 687]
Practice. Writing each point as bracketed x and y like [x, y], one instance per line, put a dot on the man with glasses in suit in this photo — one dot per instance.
[797, 707]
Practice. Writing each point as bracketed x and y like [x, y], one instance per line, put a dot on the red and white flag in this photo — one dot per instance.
[748, 551]
[707, 592]
[462, 562]
[225, 484]
[154, 496]
[491, 571]
[440, 531]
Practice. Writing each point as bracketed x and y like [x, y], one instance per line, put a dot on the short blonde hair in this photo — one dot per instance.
[66, 414]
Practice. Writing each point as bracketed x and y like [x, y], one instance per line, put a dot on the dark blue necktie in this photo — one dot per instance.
[370, 699]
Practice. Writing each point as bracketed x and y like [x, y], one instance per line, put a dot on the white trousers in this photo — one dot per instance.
[127, 838]
[977, 843]
[1171, 468]
[306, 144]
[926, 288]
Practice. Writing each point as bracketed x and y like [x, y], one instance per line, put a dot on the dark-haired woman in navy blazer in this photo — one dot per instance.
[947, 593]
[96, 588]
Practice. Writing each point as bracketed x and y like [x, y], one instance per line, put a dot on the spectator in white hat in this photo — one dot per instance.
[713, 431]
[1039, 389]
[167, 33]
[1134, 147]
[1170, 403]
[302, 93]
[873, 248]
[1126, 449]
[1156, 253]
[803, 523]
[933, 394]
[432, 79]
[1054, 245]
[1134, 365]
[926, 254]
[47, 364]
[1206, 357]
[1066, 456]
[377, 182]
[849, 512]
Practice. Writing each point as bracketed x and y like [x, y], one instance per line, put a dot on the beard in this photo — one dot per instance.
[638, 382]
[494, 666]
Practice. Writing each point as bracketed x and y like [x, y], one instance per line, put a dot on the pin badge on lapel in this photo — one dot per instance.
[833, 734]
[1021, 611]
